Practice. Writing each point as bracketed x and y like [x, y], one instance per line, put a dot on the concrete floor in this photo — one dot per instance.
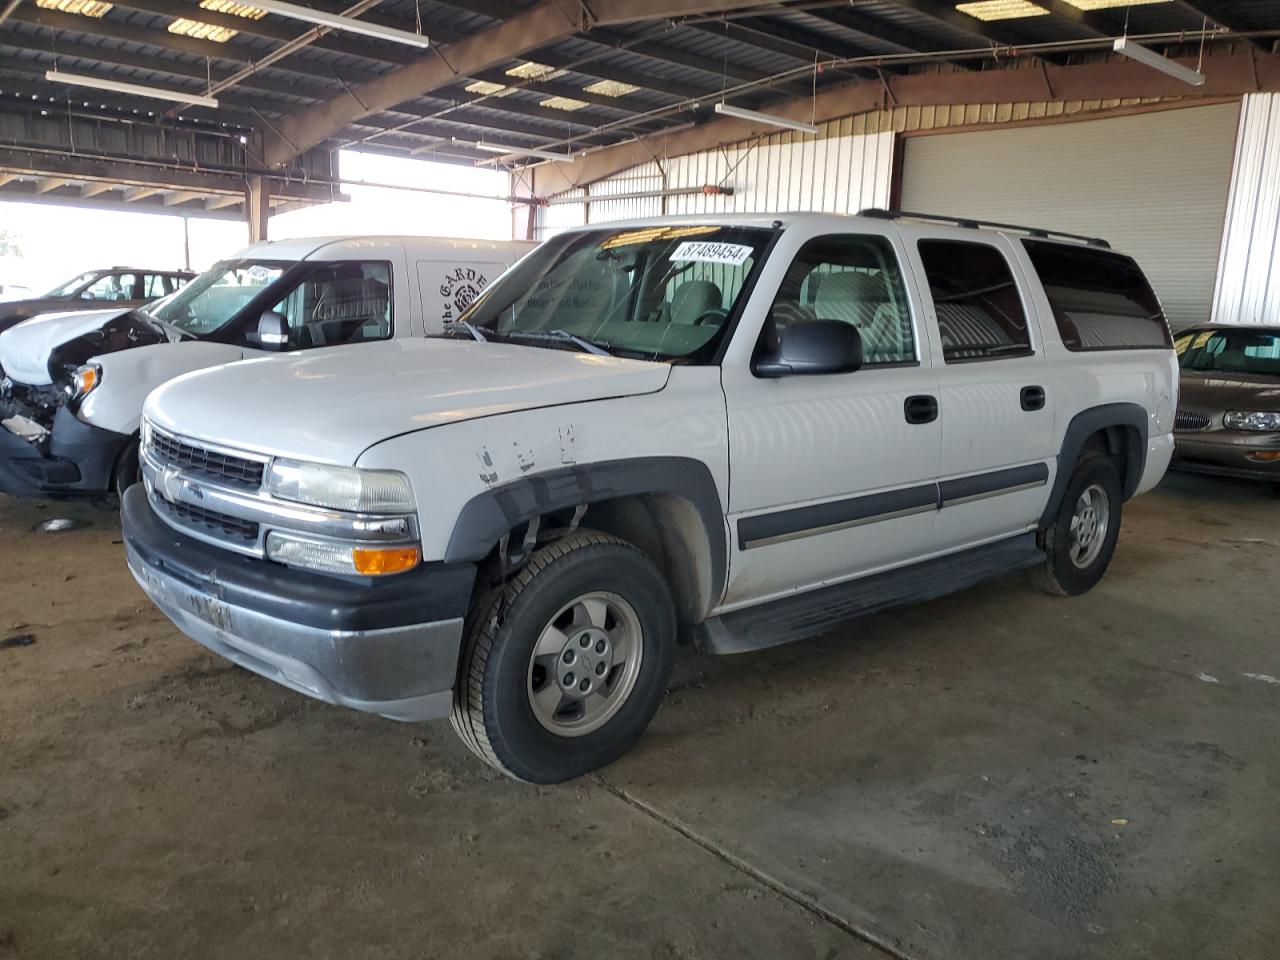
[1000, 774]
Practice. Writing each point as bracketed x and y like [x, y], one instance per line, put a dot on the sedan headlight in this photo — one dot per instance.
[341, 488]
[1259, 421]
[85, 380]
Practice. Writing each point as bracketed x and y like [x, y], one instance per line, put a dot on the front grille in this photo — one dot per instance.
[210, 522]
[234, 471]
[1189, 420]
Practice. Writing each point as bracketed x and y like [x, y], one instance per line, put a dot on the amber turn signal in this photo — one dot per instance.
[1265, 456]
[376, 561]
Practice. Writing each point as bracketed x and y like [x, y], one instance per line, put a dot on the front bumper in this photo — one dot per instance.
[1227, 453]
[388, 647]
[77, 460]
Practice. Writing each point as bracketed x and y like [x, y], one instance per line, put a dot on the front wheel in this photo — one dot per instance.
[1081, 539]
[564, 666]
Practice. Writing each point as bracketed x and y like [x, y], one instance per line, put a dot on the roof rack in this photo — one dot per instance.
[970, 223]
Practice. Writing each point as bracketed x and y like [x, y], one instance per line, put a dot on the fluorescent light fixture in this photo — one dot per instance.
[337, 22]
[563, 103]
[519, 151]
[1156, 61]
[769, 118]
[610, 88]
[200, 30]
[86, 8]
[136, 89]
[988, 10]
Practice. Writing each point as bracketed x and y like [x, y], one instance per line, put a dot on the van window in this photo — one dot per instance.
[1100, 299]
[854, 279]
[976, 299]
[341, 302]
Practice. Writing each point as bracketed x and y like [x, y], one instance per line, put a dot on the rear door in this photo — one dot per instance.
[996, 393]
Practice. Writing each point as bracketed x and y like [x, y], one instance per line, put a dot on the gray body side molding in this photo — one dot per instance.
[1082, 426]
[487, 516]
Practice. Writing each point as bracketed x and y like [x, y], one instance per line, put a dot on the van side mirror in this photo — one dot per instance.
[812, 347]
[273, 331]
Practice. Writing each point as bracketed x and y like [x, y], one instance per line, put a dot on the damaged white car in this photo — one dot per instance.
[72, 384]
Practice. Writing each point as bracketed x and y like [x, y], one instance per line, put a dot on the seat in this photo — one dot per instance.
[968, 331]
[345, 307]
[863, 300]
[692, 299]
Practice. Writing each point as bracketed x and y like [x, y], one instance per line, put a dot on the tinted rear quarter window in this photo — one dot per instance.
[1100, 299]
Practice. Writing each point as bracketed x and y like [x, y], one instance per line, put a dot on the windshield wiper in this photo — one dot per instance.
[470, 329]
[562, 336]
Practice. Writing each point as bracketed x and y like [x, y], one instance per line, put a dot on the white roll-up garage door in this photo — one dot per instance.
[1154, 184]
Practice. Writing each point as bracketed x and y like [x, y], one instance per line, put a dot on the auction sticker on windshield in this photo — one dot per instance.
[708, 251]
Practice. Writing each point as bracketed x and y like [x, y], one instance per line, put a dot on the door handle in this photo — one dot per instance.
[1032, 398]
[921, 409]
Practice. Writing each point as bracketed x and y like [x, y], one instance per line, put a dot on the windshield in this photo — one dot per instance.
[659, 293]
[71, 287]
[1230, 351]
[209, 301]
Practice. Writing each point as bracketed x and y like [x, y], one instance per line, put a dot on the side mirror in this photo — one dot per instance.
[273, 331]
[811, 347]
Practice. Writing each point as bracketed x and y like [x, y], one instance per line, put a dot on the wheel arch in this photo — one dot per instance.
[1120, 430]
[669, 507]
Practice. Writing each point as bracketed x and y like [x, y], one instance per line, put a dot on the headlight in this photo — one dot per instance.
[328, 556]
[341, 488]
[1256, 420]
[85, 380]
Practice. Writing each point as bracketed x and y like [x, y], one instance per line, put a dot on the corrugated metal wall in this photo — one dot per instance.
[1248, 288]
[840, 174]
[1154, 184]
[846, 167]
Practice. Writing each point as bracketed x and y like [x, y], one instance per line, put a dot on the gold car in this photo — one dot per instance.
[1228, 419]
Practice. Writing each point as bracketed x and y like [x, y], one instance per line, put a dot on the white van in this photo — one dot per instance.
[72, 384]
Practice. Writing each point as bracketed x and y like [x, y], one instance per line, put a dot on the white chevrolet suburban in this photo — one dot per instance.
[735, 430]
[72, 384]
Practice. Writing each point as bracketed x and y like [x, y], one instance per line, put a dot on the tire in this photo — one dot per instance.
[128, 470]
[503, 708]
[1072, 567]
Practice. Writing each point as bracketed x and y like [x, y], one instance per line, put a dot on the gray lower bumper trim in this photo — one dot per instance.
[404, 673]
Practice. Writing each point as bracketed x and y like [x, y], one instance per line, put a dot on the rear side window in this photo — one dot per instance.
[1100, 299]
[979, 308]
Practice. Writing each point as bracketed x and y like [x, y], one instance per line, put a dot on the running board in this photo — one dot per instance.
[806, 614]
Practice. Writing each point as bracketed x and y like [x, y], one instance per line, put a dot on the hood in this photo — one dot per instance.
[1229, 391]
[33, 351]
[332, 404]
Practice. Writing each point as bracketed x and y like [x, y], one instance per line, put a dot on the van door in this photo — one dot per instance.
[834, 476]
[996, 391]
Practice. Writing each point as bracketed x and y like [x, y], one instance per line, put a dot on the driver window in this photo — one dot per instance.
[113, 286]
[854, 279]
[346, 302]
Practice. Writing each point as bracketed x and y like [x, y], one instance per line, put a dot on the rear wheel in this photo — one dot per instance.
[564, 666]
[1081, 540]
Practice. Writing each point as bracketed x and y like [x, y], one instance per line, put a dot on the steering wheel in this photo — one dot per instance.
[716, 312]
